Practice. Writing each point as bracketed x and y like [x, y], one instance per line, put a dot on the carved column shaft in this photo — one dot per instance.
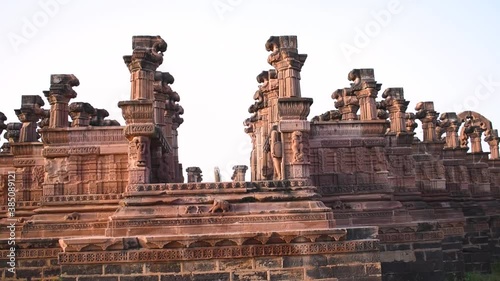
[159, 109]
[368, 107]
[397, 117]
[475, 141]
[141, 84]
[289, 78]
[452, 137]
[28, 130]
[59, 95]
[494, 149]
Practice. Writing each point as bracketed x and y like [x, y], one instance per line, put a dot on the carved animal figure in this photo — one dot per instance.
[220, 205]
[72, 217]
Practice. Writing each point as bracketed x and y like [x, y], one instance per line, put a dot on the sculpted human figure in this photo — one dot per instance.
[141, 148]
[297, 146]
[276, 151]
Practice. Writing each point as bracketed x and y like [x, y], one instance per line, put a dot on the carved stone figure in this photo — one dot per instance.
[220, 206]
[276, 150]
[72, 217]
[142, 149]
[297, 147]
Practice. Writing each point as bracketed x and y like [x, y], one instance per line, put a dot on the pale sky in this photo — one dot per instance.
[444, 51]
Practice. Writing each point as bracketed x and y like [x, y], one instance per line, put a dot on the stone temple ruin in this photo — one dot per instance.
[352, 194]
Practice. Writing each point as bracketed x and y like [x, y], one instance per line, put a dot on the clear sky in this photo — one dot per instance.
[445, 51]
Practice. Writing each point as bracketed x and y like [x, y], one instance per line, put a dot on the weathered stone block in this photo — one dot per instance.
[249, 276]
[99, 278]
[267, 262]
[123, 268]
[51, 271]
[211, 277]
[28, 273]
[286, 275]
[427, 245]
[78, 270]
[397, 247]
[373, 269]
[199, 266]
[371, 257]
[394, 256]
[315, 260]
[236, 264]
[139, 278]
[176, 277]
[32, 263]
[348, 271]
[434, 255]
[164, 267]
[292, 261]
[319, 273]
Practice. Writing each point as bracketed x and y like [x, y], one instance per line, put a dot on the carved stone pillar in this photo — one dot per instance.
[177, 120]
[140, 128]
[396, 105]
[294, 129]
[80, 113]
[194, 174]
[366, 90]
[146, 58]
[426, 114]
[239, 172]
[288, 63]
[161, 91]
[492, 139]
[346, 103]
[60, 93]
[29, 114]
[450, 122]
[475, 140]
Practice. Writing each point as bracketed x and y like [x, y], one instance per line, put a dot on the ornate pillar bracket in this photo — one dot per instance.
[30, 112]
[366, 90]
[60, 93]
[81, 113]
[428, 117]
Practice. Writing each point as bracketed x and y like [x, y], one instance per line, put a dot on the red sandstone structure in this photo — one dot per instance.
[352, 194]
